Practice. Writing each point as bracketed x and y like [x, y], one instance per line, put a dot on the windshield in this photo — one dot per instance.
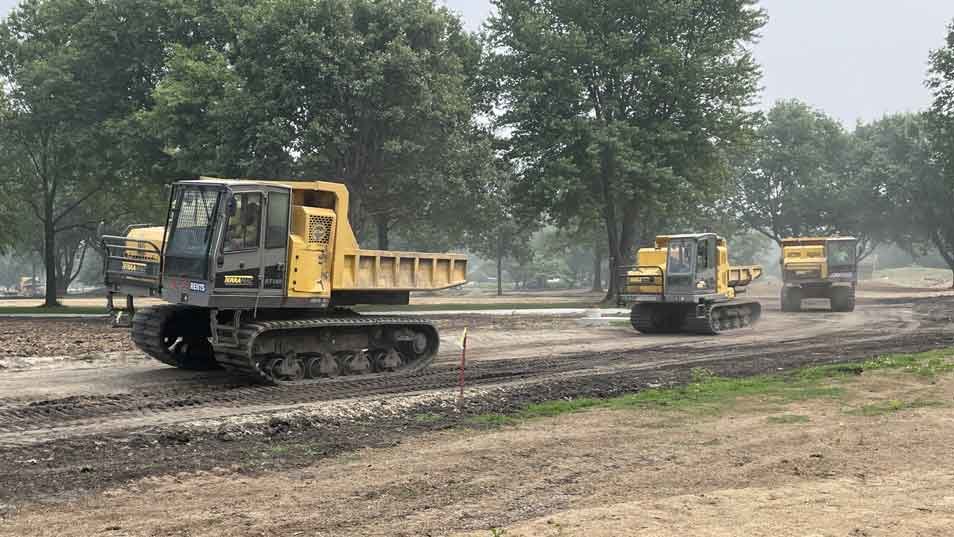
[680, 257]
[841, 253]
[191, 231]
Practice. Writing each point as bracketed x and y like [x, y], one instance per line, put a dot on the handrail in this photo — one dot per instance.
[624, 271]
[118, 248]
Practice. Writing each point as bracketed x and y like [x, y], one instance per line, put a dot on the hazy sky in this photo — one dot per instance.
[855, 59]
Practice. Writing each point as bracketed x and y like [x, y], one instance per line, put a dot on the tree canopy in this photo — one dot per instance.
[368, 92]
[564, 135]
[72, 73]
[614, 106]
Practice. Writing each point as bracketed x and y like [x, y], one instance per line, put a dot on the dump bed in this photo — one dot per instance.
[742, 276]
[373, 270]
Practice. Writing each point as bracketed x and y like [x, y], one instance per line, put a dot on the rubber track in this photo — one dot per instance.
[703, 324]
[239, 358]
[145, 332]
[692, 323]
[641, 321]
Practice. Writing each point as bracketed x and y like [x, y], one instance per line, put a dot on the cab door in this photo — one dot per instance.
[238, 265]
[706, 265]
[275, 245]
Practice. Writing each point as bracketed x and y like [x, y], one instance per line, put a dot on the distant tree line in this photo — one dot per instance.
[556, 140]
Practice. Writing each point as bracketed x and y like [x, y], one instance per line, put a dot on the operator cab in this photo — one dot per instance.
[691, 264]
[842, 254]
[226, 239]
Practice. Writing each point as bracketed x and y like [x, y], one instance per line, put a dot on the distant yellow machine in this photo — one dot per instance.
[819, 267]
[256, 273]
[28, 286]
[685, 284]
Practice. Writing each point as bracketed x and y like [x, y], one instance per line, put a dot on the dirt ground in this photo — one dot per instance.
[598, 473]
[96, 439]
[59, 337]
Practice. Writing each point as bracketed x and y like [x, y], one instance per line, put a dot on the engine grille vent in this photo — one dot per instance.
[319, 229]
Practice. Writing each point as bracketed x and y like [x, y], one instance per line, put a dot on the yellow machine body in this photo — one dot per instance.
[684, 283]
[649, 276]
[256, 276]
[805, 258]
[323, 254]
[819, 267]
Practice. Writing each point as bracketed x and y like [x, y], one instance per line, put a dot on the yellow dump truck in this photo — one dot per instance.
[684, 283]
[256, 274]
[819, 267]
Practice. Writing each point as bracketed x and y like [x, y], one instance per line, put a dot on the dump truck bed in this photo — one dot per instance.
[379, 270]
[742, 276]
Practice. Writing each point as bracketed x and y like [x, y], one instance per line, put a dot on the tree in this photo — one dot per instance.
[70, 73]
[938, 192]
[786, 181]
[368, 92]
[494, 230]
[616, 104]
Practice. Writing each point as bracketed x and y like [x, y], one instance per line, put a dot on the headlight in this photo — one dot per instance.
[701, 284]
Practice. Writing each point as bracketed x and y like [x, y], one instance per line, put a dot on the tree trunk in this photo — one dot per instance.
[627, 237]
[612, 243]
[383, 227]
[499, 268]
[49, 255]
[607, 173]
[948, 256]
[597, 268]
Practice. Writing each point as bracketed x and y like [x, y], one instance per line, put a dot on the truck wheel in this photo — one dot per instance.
[843, 299]
[791, 299]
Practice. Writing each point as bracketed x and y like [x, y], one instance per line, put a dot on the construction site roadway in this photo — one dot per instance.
[76, 419]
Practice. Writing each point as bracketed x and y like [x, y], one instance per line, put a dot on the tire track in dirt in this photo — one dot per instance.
[38, 423]
[26, 420]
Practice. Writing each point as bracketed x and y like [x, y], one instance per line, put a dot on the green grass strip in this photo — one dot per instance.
[710, 394]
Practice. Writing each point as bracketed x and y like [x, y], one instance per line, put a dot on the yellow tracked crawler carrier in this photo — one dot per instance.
[819, 267]
[685, 284]
[256, 275]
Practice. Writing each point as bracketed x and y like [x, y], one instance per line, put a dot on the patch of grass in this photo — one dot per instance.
[428, 417]
[560, 406]
[930, 363]
[894, 405]
[714, 394]
[710, 394]
[786, 419]
[278, 451]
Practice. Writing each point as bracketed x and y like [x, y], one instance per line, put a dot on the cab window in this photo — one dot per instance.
[680, 257]
[841, 252]
[702, 256]
[245, 222]
[276, 223]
